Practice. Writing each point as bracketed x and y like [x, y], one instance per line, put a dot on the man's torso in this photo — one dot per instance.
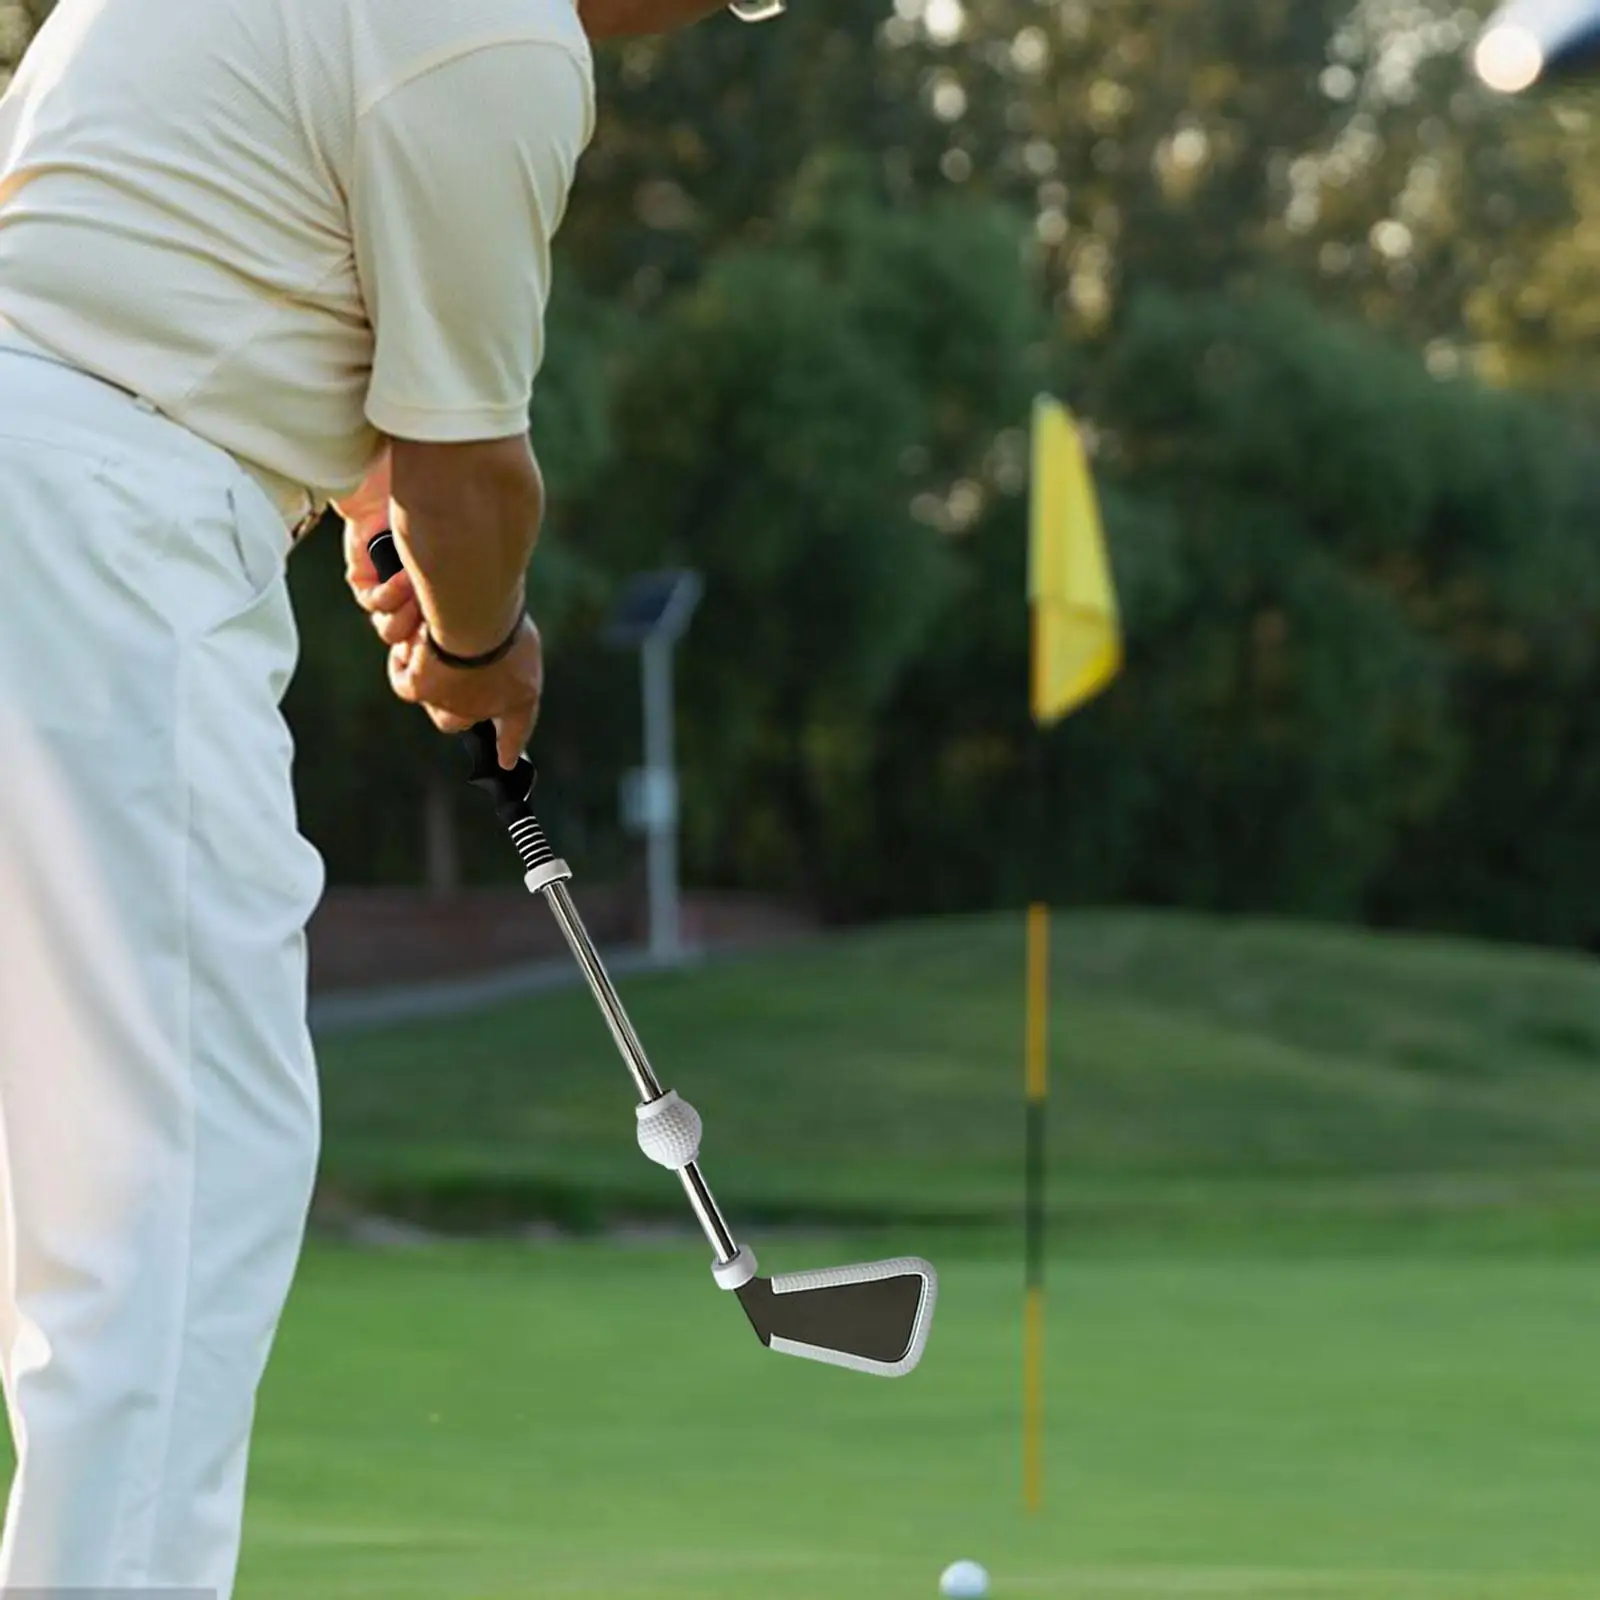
[174, 203]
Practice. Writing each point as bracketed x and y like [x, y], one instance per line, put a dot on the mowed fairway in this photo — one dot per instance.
[474, 1422]
[1322, 1320]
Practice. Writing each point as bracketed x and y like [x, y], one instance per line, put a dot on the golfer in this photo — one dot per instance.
[256, 256]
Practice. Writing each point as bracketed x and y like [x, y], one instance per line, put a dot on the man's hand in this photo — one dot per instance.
[506, 693]
[368, 506]
[455, 698]
[392, 606]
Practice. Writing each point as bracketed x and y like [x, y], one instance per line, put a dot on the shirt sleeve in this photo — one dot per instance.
[461, 177]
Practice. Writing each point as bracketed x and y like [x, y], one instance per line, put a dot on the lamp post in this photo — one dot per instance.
[651, 615]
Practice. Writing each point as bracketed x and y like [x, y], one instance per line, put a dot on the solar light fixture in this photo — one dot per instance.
[650, 616]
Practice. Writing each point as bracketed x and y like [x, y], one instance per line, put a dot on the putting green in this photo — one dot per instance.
[483, 1423]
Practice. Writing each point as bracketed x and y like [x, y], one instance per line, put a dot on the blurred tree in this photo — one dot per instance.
[1361, 615]
[806, 426]
[702, 134]
[1461, 219]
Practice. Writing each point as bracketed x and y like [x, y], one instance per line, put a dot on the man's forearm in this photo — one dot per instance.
[468, 517]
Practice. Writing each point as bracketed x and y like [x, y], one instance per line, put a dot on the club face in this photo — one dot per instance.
[1529, 42]
[871, 1318]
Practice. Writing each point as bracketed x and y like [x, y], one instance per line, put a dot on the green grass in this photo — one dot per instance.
[1204, 1071]
[1322, 1312]
[472, 1422]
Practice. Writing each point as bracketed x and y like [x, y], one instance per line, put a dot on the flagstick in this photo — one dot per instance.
[1038, 1085]
[1076, 650]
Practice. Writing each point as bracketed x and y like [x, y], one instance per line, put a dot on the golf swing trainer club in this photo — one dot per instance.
[874, 1317]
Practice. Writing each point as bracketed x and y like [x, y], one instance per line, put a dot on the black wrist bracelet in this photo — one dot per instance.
[487, 659]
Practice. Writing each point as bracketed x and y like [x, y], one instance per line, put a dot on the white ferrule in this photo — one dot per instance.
[737, 1273]
[543, 877]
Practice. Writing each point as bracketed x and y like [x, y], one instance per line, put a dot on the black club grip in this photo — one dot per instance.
[509, 790]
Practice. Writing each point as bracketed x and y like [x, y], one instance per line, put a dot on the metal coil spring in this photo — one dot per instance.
[531, 843]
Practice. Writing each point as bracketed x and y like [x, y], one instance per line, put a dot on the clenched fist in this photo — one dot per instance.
[506, 693]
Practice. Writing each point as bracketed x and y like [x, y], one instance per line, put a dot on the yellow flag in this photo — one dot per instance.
[1077, 632]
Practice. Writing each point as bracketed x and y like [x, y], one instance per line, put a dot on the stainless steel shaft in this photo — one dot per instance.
[609, 1001]
[645, 1080]
[705, 1209]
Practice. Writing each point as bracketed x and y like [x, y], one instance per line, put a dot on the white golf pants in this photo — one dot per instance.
[158, 1106]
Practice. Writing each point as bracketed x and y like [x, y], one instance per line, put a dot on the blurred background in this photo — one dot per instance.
[1329, 310]
[1325, 861]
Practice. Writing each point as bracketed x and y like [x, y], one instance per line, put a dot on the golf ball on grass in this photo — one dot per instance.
[964, 1580]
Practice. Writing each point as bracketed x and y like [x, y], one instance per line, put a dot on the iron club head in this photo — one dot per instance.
[871, 1318]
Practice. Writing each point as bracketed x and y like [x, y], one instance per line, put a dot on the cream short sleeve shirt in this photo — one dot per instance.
[296, 226]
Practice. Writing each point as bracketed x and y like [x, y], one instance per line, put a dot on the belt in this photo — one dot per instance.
[299, 508]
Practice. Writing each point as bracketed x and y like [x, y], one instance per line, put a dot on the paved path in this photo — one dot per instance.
[377, 1008]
